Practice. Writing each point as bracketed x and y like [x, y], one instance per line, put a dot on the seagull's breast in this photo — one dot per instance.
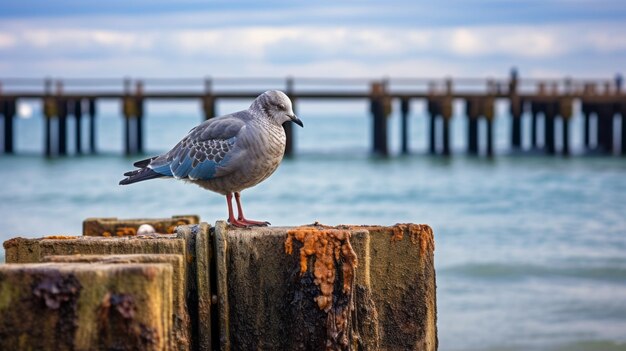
[263, 147]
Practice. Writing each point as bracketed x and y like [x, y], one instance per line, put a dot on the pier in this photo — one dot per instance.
[546, 102]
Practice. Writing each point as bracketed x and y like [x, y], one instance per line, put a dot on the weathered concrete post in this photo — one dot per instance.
[191, 242]
[181, 324]
[318, 287]
[76, 307]
[302, 288]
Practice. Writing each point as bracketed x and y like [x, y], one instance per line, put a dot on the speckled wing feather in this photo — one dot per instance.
[210, 150]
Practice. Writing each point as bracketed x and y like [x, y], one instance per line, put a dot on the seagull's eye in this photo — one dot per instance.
[282, 106]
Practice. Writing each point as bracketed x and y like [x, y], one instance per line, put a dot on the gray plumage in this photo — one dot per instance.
[227, 154]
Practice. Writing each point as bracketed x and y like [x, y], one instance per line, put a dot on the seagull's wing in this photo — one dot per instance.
[210, 150]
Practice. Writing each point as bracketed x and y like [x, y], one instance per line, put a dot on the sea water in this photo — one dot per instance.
[530, 250]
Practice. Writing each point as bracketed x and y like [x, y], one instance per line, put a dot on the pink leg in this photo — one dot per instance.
[231, 217]
[242, 219]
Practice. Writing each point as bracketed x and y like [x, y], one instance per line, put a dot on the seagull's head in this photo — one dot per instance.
[277, 107]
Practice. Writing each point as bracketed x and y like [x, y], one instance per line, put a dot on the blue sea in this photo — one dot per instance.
[530, 250]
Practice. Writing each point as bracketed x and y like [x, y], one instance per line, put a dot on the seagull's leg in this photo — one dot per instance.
[243, 219]
[231, 216]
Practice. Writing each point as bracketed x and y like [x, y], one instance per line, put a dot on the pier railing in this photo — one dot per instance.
[602, 101]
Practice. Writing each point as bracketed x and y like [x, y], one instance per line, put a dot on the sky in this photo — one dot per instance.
[412, 38]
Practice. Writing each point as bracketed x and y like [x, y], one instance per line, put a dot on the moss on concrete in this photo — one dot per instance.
[269, 299]
[83, 306]
[181, 332]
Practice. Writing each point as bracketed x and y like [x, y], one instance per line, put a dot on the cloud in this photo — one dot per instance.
[260, 50]
[6, 40]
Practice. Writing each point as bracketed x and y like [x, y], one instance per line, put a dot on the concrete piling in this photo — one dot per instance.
[184, 243]
[309, 287]
[57, 306]
[115, 227]
[181, 323]
[318, 287]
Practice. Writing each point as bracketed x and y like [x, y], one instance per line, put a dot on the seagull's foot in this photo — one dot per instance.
[251, 223]
[244, 223]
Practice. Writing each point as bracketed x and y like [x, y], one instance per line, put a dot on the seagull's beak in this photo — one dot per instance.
[296, 120]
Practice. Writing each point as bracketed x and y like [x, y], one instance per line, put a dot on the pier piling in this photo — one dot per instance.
[8, 111]
[490, 136]
[549, 128]
[92, 126]
[62, 126]
[78, 115]
[379, 107]
[586, 112]
[404, 124]
[489, 114]
[288, 126]
[566, 111]
[535, 108]
[605, 128]
[471, 111]
[433, 112]
[622, 111]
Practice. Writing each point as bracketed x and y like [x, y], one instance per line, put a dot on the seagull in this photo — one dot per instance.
[227, 154]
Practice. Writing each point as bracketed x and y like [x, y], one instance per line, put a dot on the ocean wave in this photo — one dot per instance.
[508, 271]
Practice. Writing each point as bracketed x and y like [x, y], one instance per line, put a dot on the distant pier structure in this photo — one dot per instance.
[548, 105]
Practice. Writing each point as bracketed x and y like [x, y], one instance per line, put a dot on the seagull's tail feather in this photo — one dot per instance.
[139, 175]
[144, 163]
